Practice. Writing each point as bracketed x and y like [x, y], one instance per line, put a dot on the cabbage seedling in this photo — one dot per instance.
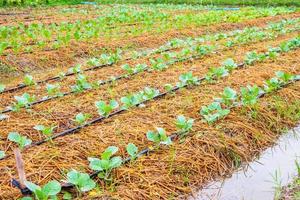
[75, 70]
[23, 101]
[50, 190]
[149, 93]
[228, 96]
[22, 141]
[213, 112]
[187, 79]
[158, 64]
[183, 124]
[82, 181]
[105, 109]
[249, 95]
[132, 150]
[53, 90]
[82, 118]
[284, 77]
[272, 84]
[159, 137]
[131, 100]
[81, 84]
[216, 73]
[106, 163]
[229, 64]
[46, 130]
[28, 80]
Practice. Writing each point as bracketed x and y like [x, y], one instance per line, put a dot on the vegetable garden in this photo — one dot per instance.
[141, 101]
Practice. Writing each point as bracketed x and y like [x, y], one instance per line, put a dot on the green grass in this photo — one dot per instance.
[215, 2]
[199, 2]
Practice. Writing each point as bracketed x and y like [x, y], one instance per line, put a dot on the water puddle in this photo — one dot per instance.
[258, 181]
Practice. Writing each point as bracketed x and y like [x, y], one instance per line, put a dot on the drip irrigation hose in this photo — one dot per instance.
[147, 150]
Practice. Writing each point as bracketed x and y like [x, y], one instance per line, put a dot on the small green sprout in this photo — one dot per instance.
[23, 101]
[168, 87]
[131, 100]
[82, 118]
[46, 130]
[187, 79]
[228, 96]
[149, 93]
[82, 181]
[28, 80]
[229, 64]
[53, 89]
[216, 73]
[132, 150]
[158, 64]
[249, 95]
[50, 190]
[81, 84]
[22, 141]
[105, 109]
[272, 84]
[76, 69]
[284, 77]
[213, 112]
[183, 124]
[159, 137]
[107, 162]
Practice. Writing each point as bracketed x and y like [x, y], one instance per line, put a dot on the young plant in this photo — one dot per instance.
[149, 93]
[2, 88]
[132, 150]
[213, 112]
[284, 77]
[50, 190]
[22, 141]
[82, 181]
[28, 80]
[272, 84]
[229, 64]
[105, 109]
[168, 87]
[23, 101]
[131, 100]
[46, 130]
[53, 89]
[187, 79]
[159, 137]
[228, 97]
[216, 73]
[76, 69]
[254, 57]
[249, 95]
[136, 69]
[158, 64]
[107, 162]
[82, 118]
[183, 124]
[81, 84]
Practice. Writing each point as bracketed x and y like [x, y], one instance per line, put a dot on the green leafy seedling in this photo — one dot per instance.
[46, 130]
[81, 118]
[106, 163]
[183, 124]
[48, 191]
[132, 150]
[2, 154]
[28, 80]
[82, 181]
[105, 109]
[159, 136]
[2, 88]
[22, 141]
